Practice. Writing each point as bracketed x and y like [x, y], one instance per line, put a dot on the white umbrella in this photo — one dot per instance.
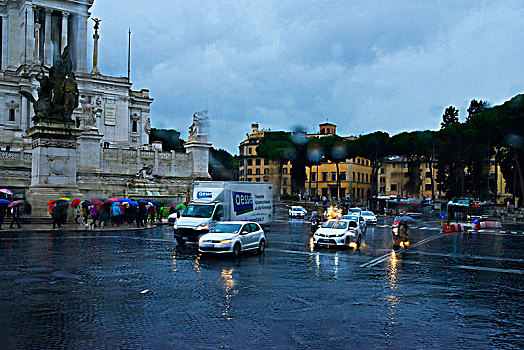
[6, 191]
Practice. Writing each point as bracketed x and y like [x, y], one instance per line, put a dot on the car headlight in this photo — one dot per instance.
[351, 233]
[340, 234]
[226, 241]
[201, 240]
[175, 226]
[202, 227]
[395, 229]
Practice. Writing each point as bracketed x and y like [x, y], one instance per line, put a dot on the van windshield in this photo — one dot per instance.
[198, 211]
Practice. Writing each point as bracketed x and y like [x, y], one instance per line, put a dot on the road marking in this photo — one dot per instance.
[386, 257]
[490, 269]
[464, 256]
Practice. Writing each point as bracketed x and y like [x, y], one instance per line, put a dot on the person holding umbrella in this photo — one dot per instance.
[94, 215]
[3, 208]
[15, 213]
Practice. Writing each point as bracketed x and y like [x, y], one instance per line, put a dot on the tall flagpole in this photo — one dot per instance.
[129, 57]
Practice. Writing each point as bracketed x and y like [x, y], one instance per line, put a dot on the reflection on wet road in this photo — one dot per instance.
[139, 289]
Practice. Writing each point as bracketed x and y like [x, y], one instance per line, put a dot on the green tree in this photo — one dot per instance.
[475, 107]
[170, 139]
[222, 165]
[449, 117]
[373, 147]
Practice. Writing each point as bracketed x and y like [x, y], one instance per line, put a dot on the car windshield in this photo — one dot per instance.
[227, 228]
[198, 211]
[297, 208]
[342, 225]
[367, 213]
[350, 217]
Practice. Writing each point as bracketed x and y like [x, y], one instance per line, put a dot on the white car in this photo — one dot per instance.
[338, 233]
[359, 219]
[233, 237]
[173, 217]
[370, 217]
[297, 212]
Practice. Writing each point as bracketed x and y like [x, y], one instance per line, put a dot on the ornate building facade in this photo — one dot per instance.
[113, 118]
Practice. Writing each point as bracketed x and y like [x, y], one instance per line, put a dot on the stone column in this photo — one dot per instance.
[95, 47]
[81, 43]
[48, 47]
[65, 16]
[4, 42]
[37, 43]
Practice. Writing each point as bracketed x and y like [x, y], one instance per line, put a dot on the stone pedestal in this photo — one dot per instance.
[54, 164]
[89, 151]
[199, 152]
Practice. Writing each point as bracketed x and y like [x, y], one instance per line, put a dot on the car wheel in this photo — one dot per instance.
[261, 247]
[180, 241]
[236, 249]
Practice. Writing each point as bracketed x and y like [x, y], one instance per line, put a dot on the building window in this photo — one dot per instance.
[428, 174]
[284, 171]
[382, 180]
[354, 179]
[284, 190]
[11, 114]
[394, 165]
[250, 162]
[135, 126]
[428, 187]
[284, 181]
[266, 171]
[358, 177]
[313, 176]
[334, 176]
[382, 189]
[257, 171]
[406, 174]
[249, 150]
[367, 177]
[266, 161]
[324, 176]
[249, 171]
[382, 170]
[257, 161]
[427, 165]
[393, 187]
[405, 165]
[342, 176]
[257, 179]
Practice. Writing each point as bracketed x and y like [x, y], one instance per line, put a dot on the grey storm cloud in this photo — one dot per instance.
[364, 65]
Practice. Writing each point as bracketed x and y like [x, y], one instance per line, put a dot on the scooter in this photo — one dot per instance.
[400, 235]
[315, 222]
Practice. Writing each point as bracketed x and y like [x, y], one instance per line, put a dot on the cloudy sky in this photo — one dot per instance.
[364, 65]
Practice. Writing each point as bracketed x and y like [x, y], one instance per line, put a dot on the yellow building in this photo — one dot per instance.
[355, 174]
[495, 175]
[393, 177]
[258, 169]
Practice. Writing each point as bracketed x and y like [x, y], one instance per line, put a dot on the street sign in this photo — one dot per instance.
[442, 216]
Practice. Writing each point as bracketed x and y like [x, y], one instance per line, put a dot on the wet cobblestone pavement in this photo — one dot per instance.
[86, 290]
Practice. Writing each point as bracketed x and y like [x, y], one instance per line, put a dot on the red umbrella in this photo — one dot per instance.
[186, 203]
[114, 199]
[15, 203]
[97, 202]
[75, 203]
[51, 202]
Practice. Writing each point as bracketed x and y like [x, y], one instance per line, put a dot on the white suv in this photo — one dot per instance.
[297, 212]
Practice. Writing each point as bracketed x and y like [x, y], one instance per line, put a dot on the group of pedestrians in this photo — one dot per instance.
[11, 208]
[117, 213]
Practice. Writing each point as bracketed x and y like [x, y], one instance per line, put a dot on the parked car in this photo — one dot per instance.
[359, 219]
[370, 217]
[233, 237]
[297, 212]
[354, 211]
[338, 232]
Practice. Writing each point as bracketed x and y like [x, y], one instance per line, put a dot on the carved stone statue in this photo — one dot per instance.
[91, 112]
[147, 127]
[58, 92]
[145, 173]
[198, 130]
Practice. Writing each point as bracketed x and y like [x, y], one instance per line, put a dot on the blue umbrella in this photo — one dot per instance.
[5, 201]
[143, 200]
[133, 204]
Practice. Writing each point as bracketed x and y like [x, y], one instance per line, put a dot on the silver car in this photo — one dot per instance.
[233, 237]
